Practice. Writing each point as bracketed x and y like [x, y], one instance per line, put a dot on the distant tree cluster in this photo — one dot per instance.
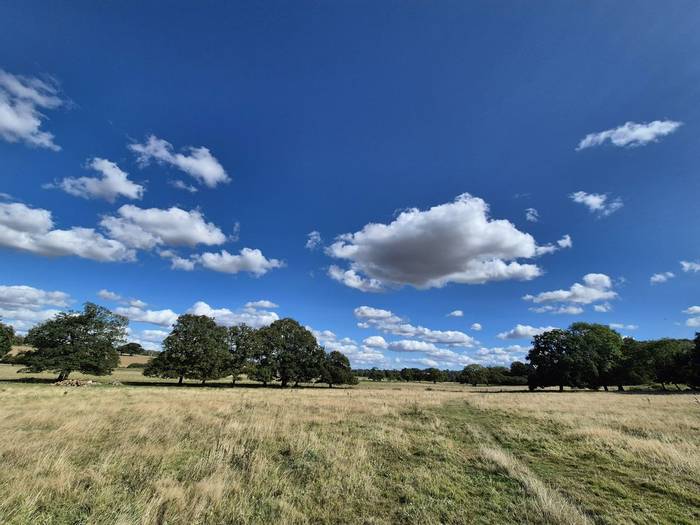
[595, 356]
[472, 374]
[198, 348]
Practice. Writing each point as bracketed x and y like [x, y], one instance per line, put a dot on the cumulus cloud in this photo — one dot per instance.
[689, 266]
[621, 326]
[263, 303]
[662, 277]
[113, 183]
[198, 163]
[524, 331]
[352, 279]
[564, 242]
[596, 287]
[570, 310]
[22, 103]
[456, 242]
[476, 327]
[181, 185]
[532, 215]
[109, 296]
[631, 134]
[250, 315]
[158, 317]
[597, 203]
[358, 354]
[313, 239]
[456, 313]
[375, 341]
[385, 321]
[23, 306]
[31, 230]
[247, 260]
[146, 228]
[602, 308]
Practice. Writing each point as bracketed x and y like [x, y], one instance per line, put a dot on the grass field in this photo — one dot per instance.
[373, 454]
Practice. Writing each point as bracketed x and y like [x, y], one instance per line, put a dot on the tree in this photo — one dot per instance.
[131, 349]
[598, 354]
[7, 337]
[244, 346]
[375, 374]
[552, 357]
[669, 358]
[73, 341]
[473, 375]
[195, 349]
[693, 373]
[293, 351]
[635, 366]
[336, 370]
[434, 375]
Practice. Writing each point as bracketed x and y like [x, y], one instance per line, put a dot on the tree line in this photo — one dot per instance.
[474, 374]
[595, 356]
[196, 348]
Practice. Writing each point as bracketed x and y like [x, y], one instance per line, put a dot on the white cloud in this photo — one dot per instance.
[352, 279]
[455, 242]
[263, 303]
[359, 355]
[409, 345]
[181, 185]
[597, 203]
[24, 306]
[154, 336]
[692, 310]
[199, 163]
[456, 313]
[605, 307]
[387, 322]
[109, 296]
[375, 341]
[570, 310]
[158, 317]
[30, 229]
[631, 134]
[620, 326]
[476, 327]
[658, 278]
[28, 296]
[247, 260]
[522, 331]
[596, 287]
[693, 322]
[689, 266]
[564, 242]
[146, 228]
[313, 239]
[532, 215]
[113, 183]
[251, 316]
[22, 102]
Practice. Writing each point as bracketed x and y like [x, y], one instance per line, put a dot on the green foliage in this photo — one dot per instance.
[292, 351]
[131, 349]
[245, 347]
[669, 359]
[553, 359]
[473, 375]
[7, 336]
[137, 365]
[335, 370]
[197, 348]
[598, 353]
[693, 371]
[375, 374]
[73, 341]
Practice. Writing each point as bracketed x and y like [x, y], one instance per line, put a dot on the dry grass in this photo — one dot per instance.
[387, 453]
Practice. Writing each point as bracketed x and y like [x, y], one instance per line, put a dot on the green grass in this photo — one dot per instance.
[374, 454]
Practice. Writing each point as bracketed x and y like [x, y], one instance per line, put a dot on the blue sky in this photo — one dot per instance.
[178, 157]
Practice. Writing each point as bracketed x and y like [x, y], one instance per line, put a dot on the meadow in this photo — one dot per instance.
[138, 453]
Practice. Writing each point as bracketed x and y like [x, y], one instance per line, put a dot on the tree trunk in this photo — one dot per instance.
[605, 387]
[677, 387]
[561, 388]
[620, 388]
[330, 385]
[284, 383]
[179, 381]
[663, 387]
[204, 381]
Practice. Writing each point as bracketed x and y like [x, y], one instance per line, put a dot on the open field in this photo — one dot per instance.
[387, 453]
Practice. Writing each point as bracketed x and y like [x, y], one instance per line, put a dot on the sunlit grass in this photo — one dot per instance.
[376, 453]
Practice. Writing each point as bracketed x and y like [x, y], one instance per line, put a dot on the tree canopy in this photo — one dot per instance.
[76, 341]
